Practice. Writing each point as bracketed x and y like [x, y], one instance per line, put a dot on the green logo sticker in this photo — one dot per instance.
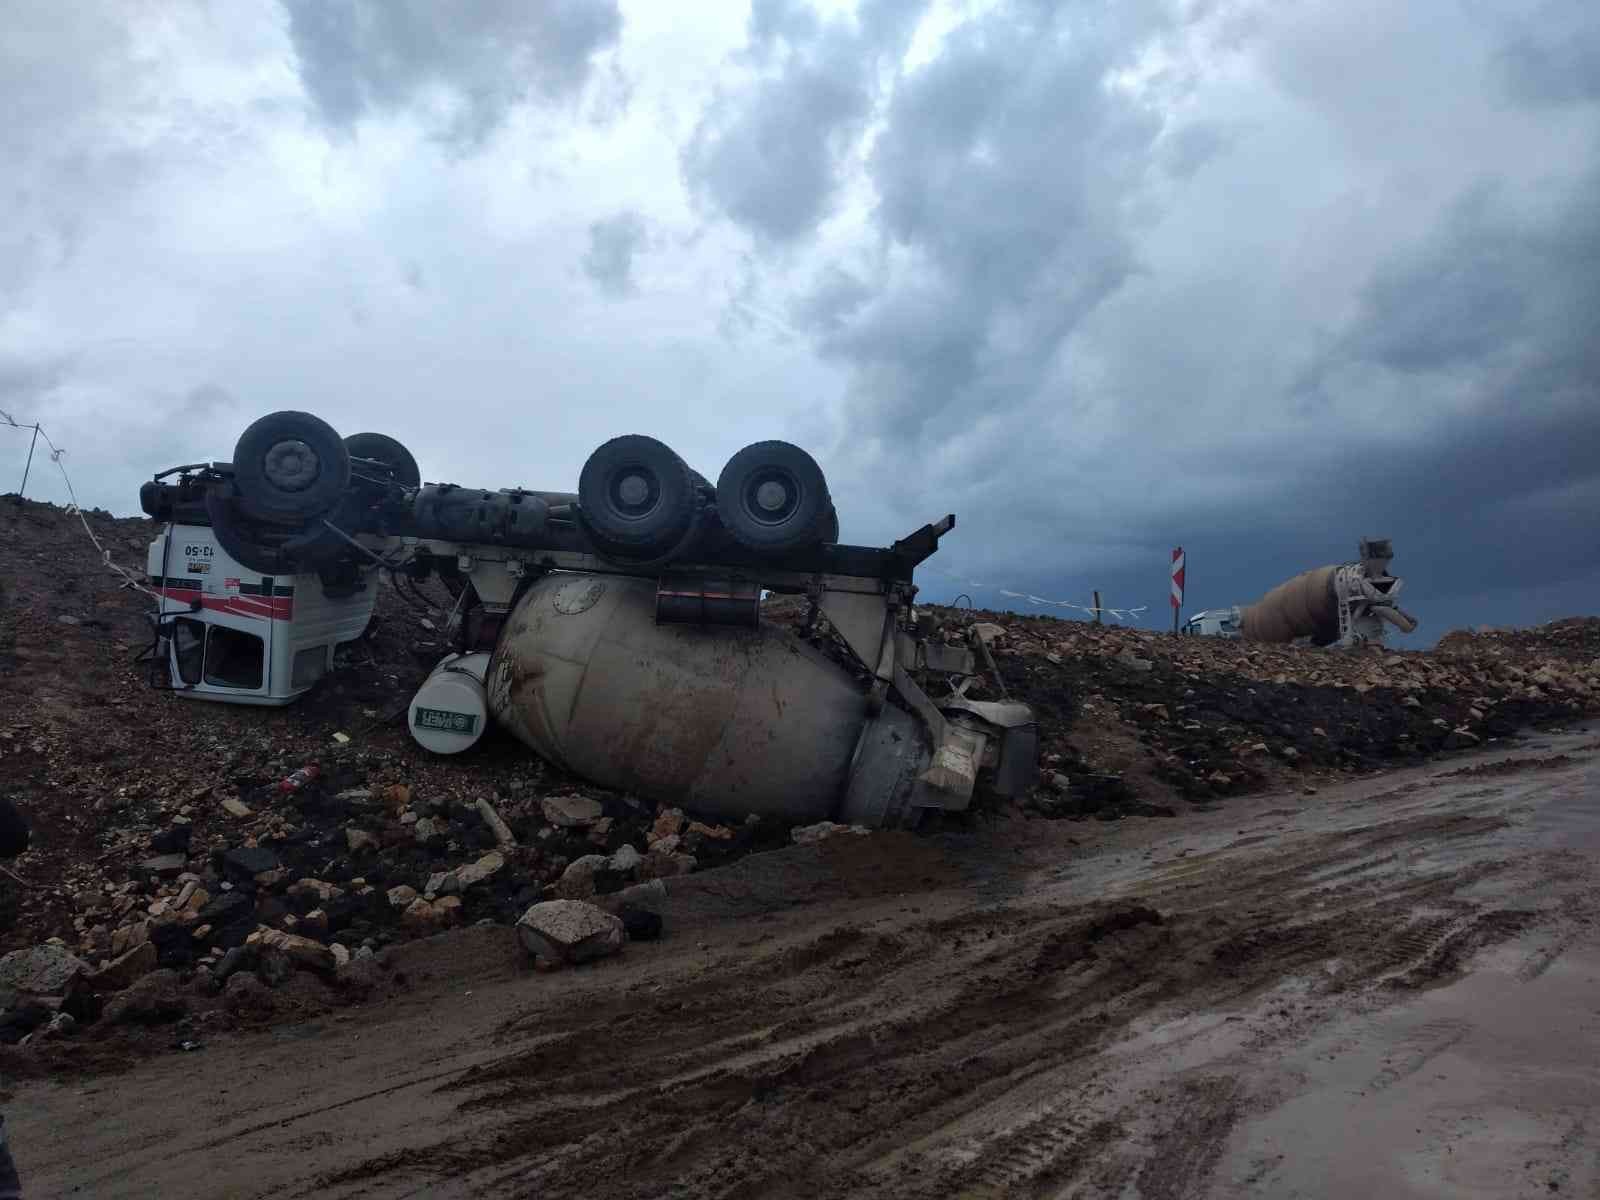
[445, 721]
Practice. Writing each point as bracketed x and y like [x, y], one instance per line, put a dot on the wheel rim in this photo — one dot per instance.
[772, 496]
[635, 492]
[291, 466]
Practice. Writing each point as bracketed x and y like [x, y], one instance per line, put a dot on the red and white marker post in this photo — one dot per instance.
[1177, 585]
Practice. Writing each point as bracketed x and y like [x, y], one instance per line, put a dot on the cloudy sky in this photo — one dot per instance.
[1256, 277]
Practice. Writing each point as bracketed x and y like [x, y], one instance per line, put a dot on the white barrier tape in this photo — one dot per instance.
[1119, 613]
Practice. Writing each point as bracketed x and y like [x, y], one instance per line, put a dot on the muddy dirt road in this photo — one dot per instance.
[1387, 989]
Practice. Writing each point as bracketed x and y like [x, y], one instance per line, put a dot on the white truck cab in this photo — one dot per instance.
[1214, 622]
[237, 635]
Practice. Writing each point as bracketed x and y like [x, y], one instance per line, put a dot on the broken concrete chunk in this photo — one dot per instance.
[236, 808]
[42, 971]
[166, 866]
[301, 950]
[358, 840]
[442, 883]
[569, 931]
[128, 937]
[571, 812]
[152, 1000]
[245, 863]
[423, 917]
[719, 833]
[316, 889]
[669, 823]
[426, 830]
[122, 971]
[400, 897]
[805, 835]
[485, 868]
[988, 632]
[577, 881]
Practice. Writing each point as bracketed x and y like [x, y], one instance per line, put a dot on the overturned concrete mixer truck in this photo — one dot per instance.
[1340, 606]
[617, 630]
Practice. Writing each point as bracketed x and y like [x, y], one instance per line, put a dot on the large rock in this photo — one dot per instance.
[424, 917]
[446, 883]
[485, 868]
[571, 812]
[153, 1000]
[231, 916]
[43, 971]
[166, 866]
[577, 881]
[246, 996]
[301, 950]
[244, 863]
[121, 972]
[569, 931]
[669, 822]
[315, 889]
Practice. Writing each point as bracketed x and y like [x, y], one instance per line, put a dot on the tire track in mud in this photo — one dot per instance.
[890, 1064]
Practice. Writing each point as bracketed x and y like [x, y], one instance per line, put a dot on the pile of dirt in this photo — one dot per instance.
[1131, 720]
[1573, 639]
[161, 834]
[163, 839]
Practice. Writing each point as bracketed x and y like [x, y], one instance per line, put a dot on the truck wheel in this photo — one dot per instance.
[636, 497]
[240, 545]
[289, 466]
[772, 497]
[402, 467]
[830, 526]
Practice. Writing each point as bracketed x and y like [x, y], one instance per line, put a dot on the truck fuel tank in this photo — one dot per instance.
[724, 720]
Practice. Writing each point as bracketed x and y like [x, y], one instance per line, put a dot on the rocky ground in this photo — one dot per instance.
[185, 890]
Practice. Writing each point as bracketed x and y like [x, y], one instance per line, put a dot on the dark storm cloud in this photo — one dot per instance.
[613, 241]
[1003, 166]
[357, 56]
[1493, 323]
[985, 327]
[770, 157]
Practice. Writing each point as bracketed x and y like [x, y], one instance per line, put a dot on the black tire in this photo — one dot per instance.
[402, 467]
[290, 466]
[829, 533]
[636, 497]
[243, 544]
[772, 497]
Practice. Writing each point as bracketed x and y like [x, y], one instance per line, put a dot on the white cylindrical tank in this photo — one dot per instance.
[722, 720]
[451, 708]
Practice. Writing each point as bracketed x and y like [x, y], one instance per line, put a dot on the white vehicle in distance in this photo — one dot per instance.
[1214, 622]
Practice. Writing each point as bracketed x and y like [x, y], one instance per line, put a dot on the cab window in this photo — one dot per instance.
[234, 659]
[188, 648]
